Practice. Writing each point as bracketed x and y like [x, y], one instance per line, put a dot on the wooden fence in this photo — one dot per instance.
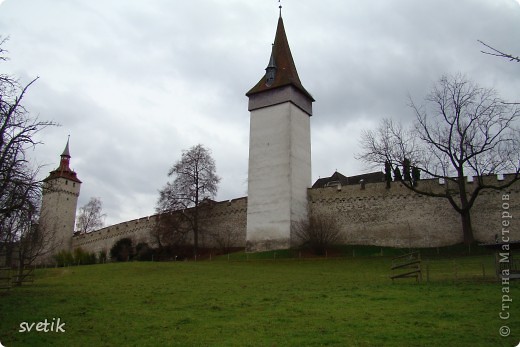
[408, 266]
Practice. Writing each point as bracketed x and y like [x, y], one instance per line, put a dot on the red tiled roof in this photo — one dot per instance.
[68, 174]
[63, 171]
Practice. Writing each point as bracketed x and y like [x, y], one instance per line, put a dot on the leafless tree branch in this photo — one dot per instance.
[495, 52]
[20, 191]
[195, 180]
[461, 130]
[90, 216]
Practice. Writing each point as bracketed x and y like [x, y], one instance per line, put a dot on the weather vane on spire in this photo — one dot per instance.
[280, 7]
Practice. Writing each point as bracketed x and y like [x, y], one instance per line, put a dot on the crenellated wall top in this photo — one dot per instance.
[379, 189]
[226, 206]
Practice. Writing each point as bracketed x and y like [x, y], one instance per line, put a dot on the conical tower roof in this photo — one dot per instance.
[286, 73]
[64, 170]
[66, 151]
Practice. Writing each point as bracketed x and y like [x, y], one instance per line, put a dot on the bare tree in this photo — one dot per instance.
[19, 188]
[462, 130]
[317, 233]
[33, 241]
[90, 216]
[170, 230]
[497, 53]
[195, 180]
[226, 239]
[28, 242]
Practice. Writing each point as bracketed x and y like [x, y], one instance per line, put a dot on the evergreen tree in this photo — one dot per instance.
[406, 170]
[416, 175]
[388, 173]
[397, 175]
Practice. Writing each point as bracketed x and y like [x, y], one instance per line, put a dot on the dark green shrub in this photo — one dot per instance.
[77, 257]
[143, 252]
[64, 258]
[82, 257]
[122, 250]
[102, 256]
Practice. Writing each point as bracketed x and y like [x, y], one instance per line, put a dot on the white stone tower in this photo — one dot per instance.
[59, 202]
[279, 151]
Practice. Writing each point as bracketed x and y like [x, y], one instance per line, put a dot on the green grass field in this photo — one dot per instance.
[284, 302]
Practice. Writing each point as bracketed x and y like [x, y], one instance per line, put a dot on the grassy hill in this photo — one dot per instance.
[283, 302]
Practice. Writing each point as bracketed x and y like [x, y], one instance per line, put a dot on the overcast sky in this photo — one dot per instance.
[136, 82]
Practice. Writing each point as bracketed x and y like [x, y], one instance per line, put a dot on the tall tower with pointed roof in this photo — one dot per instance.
[279, 150]
[60, 199]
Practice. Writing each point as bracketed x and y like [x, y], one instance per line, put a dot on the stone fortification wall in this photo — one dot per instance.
[399, 217]
[139, 230]
[374, 215]
[221, 222]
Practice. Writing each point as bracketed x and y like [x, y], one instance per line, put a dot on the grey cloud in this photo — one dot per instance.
[136, 82]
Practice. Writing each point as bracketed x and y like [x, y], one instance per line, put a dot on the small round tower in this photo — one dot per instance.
[59, 202]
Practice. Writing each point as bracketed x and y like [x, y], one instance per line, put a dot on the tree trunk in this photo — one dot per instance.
[465, 208]
[195, 231]
[467, 229]
[196, 212]
[19, 275]
[9, 254]
[19, 271]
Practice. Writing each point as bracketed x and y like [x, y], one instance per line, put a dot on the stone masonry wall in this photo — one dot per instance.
[224, 224]
[398, 217]
[139, 230]
[394, 217]
[225, 221]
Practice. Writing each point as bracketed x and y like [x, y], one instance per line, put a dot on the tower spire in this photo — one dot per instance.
[66, 151]
[64, 170]
[65, 158]
[280, 74]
